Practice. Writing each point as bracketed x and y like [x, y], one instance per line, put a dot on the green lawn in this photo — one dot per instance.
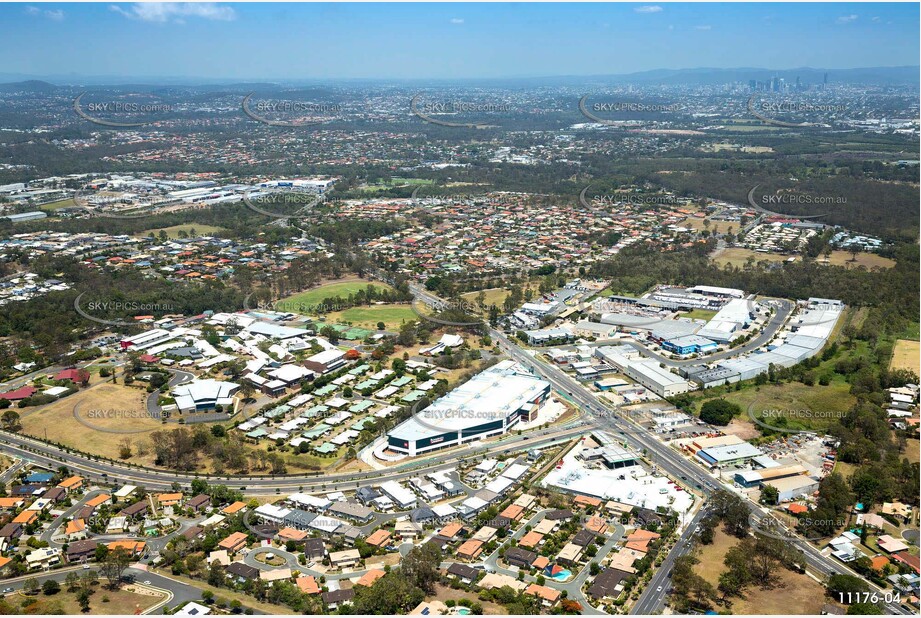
[330, 290]
[804, 407]
[68, 203]
[175, 230]
[396, 182]
[700, 314]
[367, 317]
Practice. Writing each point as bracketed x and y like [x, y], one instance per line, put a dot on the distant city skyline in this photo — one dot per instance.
[240, 41]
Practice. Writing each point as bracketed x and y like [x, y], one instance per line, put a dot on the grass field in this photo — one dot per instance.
[907, 355]
[912, 451]
[124, 601]
[104, 406]
[791, 593]
[804, 407]
[494, 296]
[175, 230]
[700, 314]
[68, 203]
[870, 260]
[720, 227]
[396, 182]
[393, 316]
[312, 298]
[738, 256]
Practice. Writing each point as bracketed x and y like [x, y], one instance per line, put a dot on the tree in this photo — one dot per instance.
[718, 411]
[10, 419]
[84, 600]
[114, 565]
[392, 594]
[124, 448]
[51, 587]
[769, 495]
[421, 566]
[30, 586]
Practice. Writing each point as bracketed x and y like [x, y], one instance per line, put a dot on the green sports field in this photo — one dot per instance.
[331, 290]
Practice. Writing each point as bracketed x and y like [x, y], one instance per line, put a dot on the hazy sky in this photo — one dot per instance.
[328, 41]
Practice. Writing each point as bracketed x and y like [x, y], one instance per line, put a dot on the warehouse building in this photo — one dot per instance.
[708, 378]
[717, 292]
[728, 455]
[747, 368]
[645, 371]
[756, 478]
[489, 404]
[794, 487]
[26, 216]
[728, 321]
[689, 344]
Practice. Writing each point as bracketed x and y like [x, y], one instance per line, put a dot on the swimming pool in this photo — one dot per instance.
[463, 611]
[564, 574]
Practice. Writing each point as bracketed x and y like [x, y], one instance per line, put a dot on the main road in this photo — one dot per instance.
[100, 470]
[662, 455]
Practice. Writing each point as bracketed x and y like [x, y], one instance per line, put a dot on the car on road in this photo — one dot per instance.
[146, 582]
[86, 567]
[659, 589]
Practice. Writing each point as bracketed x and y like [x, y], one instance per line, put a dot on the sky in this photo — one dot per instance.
[236, 41]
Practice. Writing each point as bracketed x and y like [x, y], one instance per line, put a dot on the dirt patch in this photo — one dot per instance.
[105, 410]
[103, 601]
[444, 593]
[791, 593]
[743, 428]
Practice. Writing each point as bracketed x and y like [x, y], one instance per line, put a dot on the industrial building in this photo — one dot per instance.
[724, 327]
[794, 487]
[489, 404]
[728, 455]
[645, 371]
[708, 377]
[26, 216]
[689, 344]
[756, 478]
